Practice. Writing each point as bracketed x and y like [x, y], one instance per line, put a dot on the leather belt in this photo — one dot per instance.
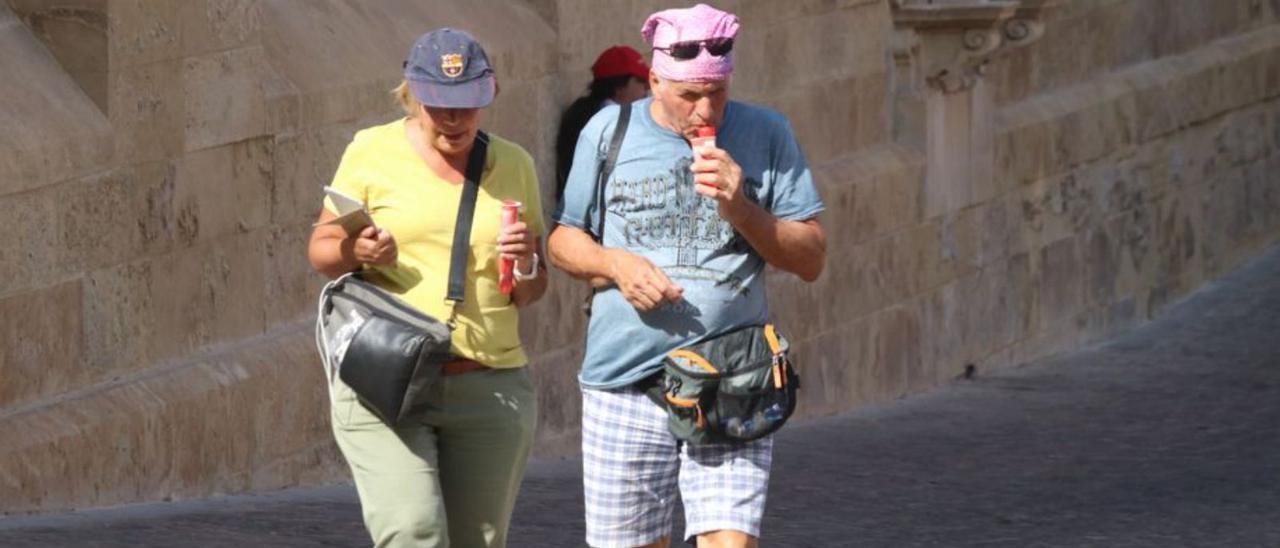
[458, 367]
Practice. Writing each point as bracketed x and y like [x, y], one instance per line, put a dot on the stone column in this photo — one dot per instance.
[942, 105]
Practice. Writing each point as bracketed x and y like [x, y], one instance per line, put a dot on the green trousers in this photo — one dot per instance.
[450, 476]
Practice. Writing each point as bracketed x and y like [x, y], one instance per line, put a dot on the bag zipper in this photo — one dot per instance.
[719, 374]
[395, 304]
[372, 311]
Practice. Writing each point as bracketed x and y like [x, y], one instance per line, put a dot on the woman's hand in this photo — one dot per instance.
[515, 242]
[375, 246]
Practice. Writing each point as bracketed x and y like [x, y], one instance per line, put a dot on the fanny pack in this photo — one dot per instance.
[387, 351]
[737, 387]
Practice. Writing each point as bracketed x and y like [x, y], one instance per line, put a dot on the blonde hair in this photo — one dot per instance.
[406, 100]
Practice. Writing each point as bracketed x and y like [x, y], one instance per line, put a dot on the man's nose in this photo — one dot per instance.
[703, 109]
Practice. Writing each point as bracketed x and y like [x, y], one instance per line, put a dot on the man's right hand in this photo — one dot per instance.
[375, 246]
[644, 285]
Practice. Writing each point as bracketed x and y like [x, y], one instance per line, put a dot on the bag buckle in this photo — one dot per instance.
[779, 363]
[452, 322]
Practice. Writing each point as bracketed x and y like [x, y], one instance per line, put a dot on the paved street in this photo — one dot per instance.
[1165, 436]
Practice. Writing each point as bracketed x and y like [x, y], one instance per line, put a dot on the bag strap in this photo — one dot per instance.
[771, 336]
[606, 168]
[462, 229]
[602, 179]
[775, 347]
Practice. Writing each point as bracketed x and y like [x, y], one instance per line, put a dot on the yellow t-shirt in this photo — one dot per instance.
[419, 208]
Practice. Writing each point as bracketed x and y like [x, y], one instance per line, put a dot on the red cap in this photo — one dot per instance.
[619, 61]
[706, 131]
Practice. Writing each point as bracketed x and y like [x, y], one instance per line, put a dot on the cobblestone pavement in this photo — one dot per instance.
[1168, 435]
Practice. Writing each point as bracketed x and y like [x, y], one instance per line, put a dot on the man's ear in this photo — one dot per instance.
[655, 86]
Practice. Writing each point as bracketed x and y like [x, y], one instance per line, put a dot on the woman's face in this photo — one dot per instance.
[634, 89]
[450, 131]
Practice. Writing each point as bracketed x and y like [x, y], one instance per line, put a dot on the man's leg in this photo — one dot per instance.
[723, 486]
[727, 539]
[629, 468]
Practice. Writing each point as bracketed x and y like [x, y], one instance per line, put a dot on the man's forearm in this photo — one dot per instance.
[799, 247]
[574, 252]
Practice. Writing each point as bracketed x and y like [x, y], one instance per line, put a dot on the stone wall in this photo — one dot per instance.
[162, 159]
[155, 295]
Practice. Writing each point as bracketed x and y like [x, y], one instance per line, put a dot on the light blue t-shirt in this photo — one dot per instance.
[654, 211]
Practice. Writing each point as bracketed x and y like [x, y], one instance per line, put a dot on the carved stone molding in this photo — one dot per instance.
[952, 41]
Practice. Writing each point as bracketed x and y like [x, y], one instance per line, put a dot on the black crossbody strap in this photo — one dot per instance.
[606, 169]
[462, 230]
[602, 179]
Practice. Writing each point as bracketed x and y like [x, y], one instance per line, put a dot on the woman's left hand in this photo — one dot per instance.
[516, 242]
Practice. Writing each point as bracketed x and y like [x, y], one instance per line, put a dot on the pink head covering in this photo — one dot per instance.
[700, 22]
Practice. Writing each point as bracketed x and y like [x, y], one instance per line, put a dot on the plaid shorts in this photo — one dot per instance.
[632, 467]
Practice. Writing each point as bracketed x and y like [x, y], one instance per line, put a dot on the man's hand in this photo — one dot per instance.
[644, 285]
[716, 175]
[375, 246]
[797, 246]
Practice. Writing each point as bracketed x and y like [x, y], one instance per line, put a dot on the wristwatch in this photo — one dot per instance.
[520, 277]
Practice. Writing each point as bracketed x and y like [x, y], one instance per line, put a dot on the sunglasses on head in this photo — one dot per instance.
[683, 51]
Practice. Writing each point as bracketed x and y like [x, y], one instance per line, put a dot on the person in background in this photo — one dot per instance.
[448, 476]
[619, 76]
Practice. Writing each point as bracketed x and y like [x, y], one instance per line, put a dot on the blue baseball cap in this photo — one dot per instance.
[447, 68]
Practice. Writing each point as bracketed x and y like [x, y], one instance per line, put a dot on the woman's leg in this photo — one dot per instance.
[396, 475]
[486, 426]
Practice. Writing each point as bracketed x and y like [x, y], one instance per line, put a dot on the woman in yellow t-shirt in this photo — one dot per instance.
[448, 476]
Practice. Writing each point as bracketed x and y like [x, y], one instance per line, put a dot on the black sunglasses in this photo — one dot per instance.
[683, 51]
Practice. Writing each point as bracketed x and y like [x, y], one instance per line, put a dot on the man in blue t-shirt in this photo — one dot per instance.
[685, 242]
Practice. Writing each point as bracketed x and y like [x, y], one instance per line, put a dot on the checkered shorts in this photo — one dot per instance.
[632, 466]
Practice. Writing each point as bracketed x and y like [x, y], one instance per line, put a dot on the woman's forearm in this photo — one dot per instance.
[332, 257]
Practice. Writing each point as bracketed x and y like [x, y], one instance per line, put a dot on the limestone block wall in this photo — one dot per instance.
[1135, 187]
[1135, 158]
[1087, 39]
[155, 298]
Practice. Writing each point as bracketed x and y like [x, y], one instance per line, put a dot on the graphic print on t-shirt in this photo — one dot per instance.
[664, 214]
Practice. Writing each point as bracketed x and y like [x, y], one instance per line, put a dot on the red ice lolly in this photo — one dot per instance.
[705, 137]
[507, 267]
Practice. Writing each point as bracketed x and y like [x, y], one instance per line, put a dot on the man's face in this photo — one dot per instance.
[687, 105]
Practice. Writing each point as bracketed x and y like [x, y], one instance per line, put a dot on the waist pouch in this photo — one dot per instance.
[388, 352]
[736, 387]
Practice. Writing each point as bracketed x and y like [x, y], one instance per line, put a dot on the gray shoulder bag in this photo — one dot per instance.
[387, 351]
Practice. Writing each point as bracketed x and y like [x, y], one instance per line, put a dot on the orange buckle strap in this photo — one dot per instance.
[682, 402]
[771, 335]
